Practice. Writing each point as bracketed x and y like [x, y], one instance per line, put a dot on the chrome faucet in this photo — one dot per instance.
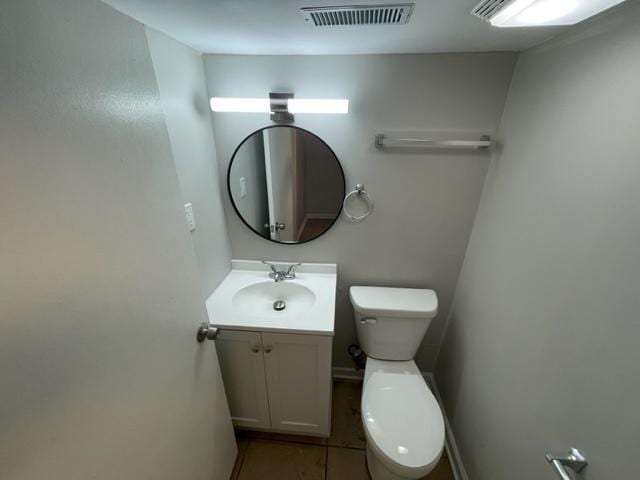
[280, 275]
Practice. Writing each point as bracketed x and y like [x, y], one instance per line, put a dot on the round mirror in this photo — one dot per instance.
[286, 184]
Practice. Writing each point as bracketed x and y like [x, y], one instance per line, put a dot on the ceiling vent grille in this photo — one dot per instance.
[346, 16]
[486, 9]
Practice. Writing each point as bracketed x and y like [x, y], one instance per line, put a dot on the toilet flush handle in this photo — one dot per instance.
[368, 321]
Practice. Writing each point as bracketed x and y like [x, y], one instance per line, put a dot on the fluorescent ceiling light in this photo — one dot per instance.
[247, 105]
[294, 105]
[317, 105]
[527, 13]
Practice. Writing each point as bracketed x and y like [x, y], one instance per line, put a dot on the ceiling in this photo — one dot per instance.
[276, 27]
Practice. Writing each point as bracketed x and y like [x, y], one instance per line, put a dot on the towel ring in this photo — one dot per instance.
[359, 191]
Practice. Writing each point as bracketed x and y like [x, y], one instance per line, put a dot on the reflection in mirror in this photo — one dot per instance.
[286, 184]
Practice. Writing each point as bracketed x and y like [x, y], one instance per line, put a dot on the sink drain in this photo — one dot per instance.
[279, 305]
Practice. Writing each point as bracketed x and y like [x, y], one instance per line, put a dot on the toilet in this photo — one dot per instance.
[402, 420]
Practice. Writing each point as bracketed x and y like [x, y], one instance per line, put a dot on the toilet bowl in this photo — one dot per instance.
[402, 420]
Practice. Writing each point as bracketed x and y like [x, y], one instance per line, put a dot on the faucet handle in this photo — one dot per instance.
[271, 265]
[291, 270]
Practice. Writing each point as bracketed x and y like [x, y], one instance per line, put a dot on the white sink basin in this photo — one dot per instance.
[245, 299]
[260, 298]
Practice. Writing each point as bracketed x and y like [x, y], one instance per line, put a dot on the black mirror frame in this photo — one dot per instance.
[235, 208]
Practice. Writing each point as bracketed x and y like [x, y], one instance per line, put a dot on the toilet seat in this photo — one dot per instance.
[402, 420]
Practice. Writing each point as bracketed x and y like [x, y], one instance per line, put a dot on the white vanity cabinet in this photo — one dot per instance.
[276, 362]
[279, 382]
[242, 365]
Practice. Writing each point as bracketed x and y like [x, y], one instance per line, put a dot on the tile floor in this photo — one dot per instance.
[264, 456]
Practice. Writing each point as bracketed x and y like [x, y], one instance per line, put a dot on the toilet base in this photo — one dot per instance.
[378, 471]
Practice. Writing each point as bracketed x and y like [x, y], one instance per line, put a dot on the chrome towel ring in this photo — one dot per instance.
[360, 192]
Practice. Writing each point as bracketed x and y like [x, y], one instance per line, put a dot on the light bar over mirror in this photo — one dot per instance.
[294, 105]
[316, 105]
[235, 104]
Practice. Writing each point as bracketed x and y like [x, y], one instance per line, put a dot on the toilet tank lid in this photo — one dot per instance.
[395, 302]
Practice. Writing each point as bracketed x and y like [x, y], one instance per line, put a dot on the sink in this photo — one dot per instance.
[259, 298]
[247, 299]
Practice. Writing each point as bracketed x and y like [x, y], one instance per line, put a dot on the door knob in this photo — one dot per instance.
[267, 349]
[255, 349]
[275, 227]
[206, 331]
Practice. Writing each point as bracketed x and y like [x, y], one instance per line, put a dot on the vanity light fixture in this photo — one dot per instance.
[530, 13]
[236, 104]
[318, 105]
[293, 105]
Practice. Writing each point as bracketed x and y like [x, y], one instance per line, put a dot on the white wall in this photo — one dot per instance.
[425, 203]
[100, 374]
[183, 92]
[542, 350]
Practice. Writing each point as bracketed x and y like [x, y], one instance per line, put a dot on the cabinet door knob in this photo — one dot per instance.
[267, 349]
[255, 349]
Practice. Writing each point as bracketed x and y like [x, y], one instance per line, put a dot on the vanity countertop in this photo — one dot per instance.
[245, 299]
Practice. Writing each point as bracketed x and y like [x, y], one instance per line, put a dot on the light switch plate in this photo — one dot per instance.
[191, 220]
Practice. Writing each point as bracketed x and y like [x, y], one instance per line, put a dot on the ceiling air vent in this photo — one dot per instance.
[487, 9]
[394, 14]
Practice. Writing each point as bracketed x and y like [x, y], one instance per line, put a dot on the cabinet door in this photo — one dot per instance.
[242, 366]
[298, 369]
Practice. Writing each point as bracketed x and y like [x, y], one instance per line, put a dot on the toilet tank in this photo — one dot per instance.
[391, 322]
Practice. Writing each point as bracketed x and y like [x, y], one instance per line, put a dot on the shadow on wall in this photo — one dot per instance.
[454, 357]
[200, 104]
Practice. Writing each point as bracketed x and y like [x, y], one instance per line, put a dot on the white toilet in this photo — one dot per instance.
[402, 420]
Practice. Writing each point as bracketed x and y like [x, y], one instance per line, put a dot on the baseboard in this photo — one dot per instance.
[302, 227]
[459, 472]
[314, 216]
[455, 459]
